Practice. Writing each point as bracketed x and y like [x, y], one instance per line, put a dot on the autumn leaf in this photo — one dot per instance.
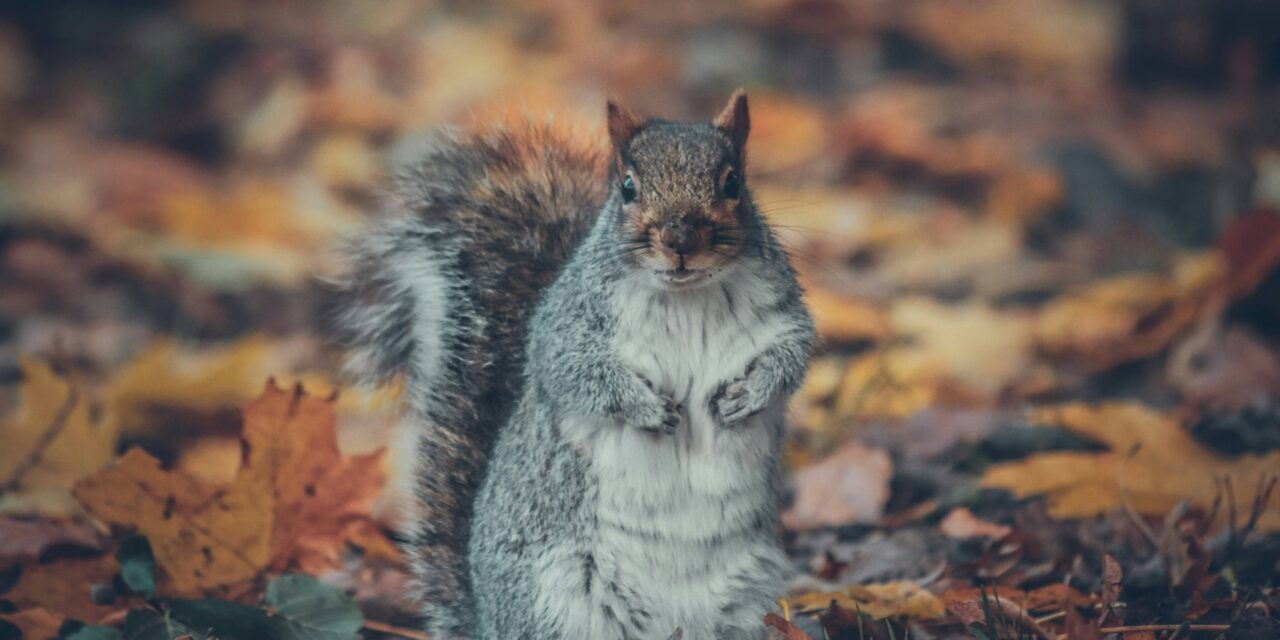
[789, 631]
[841, 319]
[63, 587]
[55, 437]
[34, 623]
[1166, 467]
[321, 497]
[165, 375]
[961, 523]
[850, 485]
[902, 598]
[201, 538]
[1127, 317]
[293, 503]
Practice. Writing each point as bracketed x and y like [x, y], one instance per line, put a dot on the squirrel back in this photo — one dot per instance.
[440, 290]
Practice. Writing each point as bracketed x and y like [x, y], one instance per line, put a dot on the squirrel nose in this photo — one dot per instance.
[682, 238]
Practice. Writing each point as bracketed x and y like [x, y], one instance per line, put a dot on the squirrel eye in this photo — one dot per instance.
[628, 189]
[731, 185]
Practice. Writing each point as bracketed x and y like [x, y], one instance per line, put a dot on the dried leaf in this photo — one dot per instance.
[35, 624]
[850, 485]
[23, 541]
[842, 319]
[903, 598]
[63, 587]
[201, 538]
[54, 438]
[1127, 317]
[320, 496]
[961, 523]
[1112, 575]
[1167, 468]
[789, 631]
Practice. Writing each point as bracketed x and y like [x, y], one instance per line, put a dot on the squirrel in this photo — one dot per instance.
[597, 347]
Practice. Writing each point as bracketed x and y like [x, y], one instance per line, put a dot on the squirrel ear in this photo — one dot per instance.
[623, 125]
[735, 121]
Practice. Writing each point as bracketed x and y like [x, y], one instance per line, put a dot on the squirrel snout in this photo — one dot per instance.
[682, 238]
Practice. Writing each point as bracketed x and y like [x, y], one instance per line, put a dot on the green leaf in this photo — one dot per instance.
[137, 565]
[223, 620]
[307, 609]
[149, 624]
[91, 632]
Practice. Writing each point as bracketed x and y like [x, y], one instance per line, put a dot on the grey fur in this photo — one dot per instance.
[551, 520]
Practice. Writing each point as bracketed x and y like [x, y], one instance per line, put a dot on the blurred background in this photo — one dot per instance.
[997, 206]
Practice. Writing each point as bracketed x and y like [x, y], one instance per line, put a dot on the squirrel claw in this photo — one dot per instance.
[732, 403]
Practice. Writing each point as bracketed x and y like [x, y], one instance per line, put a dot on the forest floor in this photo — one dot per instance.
[1040, 240]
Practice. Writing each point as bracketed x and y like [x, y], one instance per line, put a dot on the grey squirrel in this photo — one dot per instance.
[598, 347]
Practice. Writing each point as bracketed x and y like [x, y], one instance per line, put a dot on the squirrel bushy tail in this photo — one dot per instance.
[439, 292]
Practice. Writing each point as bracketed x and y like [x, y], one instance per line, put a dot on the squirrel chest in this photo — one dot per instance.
[685, 533]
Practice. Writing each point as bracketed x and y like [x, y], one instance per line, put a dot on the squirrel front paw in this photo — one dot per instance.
[653, 412]
[737, 400]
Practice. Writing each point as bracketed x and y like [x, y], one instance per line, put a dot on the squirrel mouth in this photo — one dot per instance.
[681, 276]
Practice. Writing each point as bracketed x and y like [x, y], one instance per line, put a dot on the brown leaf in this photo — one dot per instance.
[789, 631]
[35, 624]
[321, 497]
[961, 523]
[850, 485]
[902, 598]
[1112, 575]
[63, 587]
[1251, 246]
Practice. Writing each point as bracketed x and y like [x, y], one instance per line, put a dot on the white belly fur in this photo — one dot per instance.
[679, 516]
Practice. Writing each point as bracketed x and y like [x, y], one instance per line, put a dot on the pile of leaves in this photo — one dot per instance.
[1040, 238]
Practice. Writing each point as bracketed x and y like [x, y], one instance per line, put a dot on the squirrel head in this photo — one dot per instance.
[682, 192]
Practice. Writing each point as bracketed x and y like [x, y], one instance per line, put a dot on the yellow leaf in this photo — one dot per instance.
[55, 437]
[201, 538]
[903, 598]
[1167, 468]
[845, 319]
[164, 375]
[1127, 317]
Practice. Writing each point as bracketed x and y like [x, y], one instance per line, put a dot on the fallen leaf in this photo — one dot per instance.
[902, 598]
[789, 631]
[1127, 317]
[964, 602]
[294, 503]
[850, 485]
[35, 624]
[1167, 467]
[1112, 575]
[1251, 247]
[23, 541]
[55, 437]
[63, 587]
[841, 319]
[201, 538]
[961, 523]
[166, 375]
[319, 494]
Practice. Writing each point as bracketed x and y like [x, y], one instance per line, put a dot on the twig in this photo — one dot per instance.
[1127, 508]
[51, 433]
[1166, 627]
[391, 630]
